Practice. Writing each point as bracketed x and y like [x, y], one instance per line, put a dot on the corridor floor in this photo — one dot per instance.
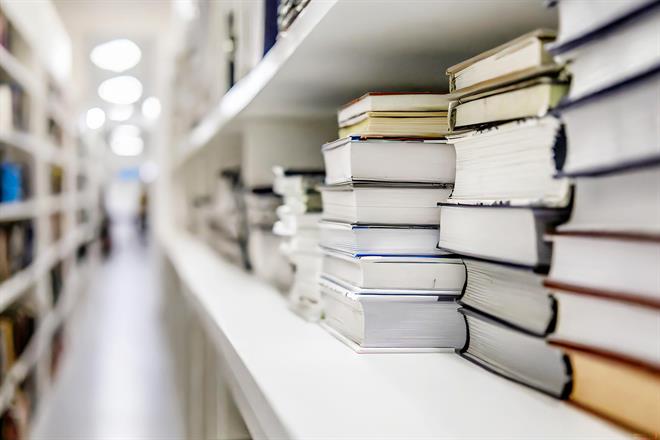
[116, 380]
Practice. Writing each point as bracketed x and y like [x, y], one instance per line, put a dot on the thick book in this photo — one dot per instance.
[381, 203]
[513, 294]
[389, 160]
[581, 20]
[513, 163]
[516, 355]
[616, 265]
[393, 102]
[397, 124]
[523, 55]
[363, 240]
[625, 392]
[535, 97]
[500, 233]
[393, 321]
[614, 128]
[614, 54]
[609, 325]
[385, 272]
[598, 202]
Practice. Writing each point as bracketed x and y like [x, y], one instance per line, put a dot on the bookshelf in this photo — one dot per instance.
[247, 365]
[56, 242]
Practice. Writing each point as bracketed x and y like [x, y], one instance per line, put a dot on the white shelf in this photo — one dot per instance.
[14, 287]
[294, 380]
[19, 73]
[34, 146]
[337, 50]
[18, 210]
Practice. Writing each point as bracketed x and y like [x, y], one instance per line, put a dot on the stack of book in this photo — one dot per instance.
[14, 179]
[505, 200]
[17, 325]
[228, 234]
[263, 246]
[298, 225]
[384, 283]
[14, 112]
[605, 273]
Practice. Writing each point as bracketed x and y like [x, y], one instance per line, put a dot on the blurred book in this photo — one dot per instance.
[374, 322]
[380, 239]
[382, 273]
[607, 44]
[364, 159]
[407, 115]
[384, 202]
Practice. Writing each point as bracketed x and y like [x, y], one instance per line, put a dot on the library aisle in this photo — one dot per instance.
[117, 380]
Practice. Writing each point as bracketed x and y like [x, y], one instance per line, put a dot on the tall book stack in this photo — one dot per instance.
[504, 201]
[605, 273]
[385, 285]
[298, 224]
[263, 245]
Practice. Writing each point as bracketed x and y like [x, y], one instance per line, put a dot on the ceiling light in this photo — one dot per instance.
[127, 145]
[120, 113]
[122, 90]
[95, 118]
[151, 108]
[116, 55]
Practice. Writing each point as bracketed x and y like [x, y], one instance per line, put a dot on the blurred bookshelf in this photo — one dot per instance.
[41, 278]
[248, 366]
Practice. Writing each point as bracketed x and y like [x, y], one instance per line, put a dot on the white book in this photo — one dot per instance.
[377, 272]
[512, 294]
[363, 159]
[626, 201]
[525, 53]
[6, 108]
[371, 203]
[614, 56]
[506, 234]
[392, 102]
[513, 163]
[612, 326]
[616, 127]
[619, 265]
[380, 239]
[579, 18]
[393, 321]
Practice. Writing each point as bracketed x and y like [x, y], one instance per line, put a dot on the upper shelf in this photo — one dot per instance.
[19, 72]
[337, 50]
[294, 380]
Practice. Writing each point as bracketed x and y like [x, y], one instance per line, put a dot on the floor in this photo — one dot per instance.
[116, 380]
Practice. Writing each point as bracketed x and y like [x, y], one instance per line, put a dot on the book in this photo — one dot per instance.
[266, 262]
[364, 240]
[392, 102]
[607, 264]
[523, 57]
[511, 164]
[529, 98]
[609, 325]
[396, 124]
[613, 128]
[499, 233]
[597, 202]
[631, 397]
[356, 158]
[393, 321]
[383, 203]
[613, 54]
[379, 272]
[11, 182]
[515, 355]
[515, 295]
[580, 19]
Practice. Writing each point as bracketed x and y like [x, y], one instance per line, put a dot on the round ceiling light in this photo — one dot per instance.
[116, 55]
[121, 90]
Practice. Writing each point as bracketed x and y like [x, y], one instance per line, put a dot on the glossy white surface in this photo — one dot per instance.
[297, 381]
